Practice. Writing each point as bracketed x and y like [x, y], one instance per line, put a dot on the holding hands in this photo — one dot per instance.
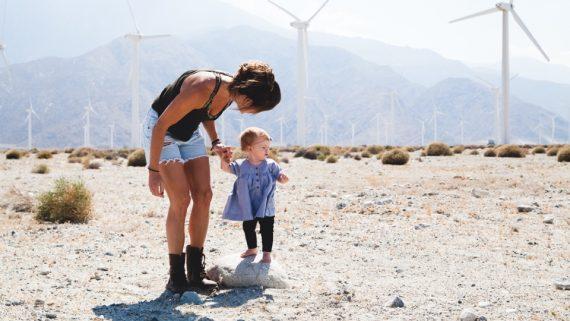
[282, 178]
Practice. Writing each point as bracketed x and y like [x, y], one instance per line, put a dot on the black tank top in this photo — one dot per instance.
[186, 126]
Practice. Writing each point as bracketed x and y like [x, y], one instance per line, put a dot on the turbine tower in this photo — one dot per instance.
[87, 129]
[302, 67]
[30, 111]
[497, 96]
[2, 46]
[136, 39]
[506, 8]
[553, 129]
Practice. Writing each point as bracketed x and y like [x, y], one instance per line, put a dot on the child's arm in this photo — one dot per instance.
[280, 174]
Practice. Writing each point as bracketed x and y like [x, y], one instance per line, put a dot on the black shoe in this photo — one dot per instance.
[196, 269]
[177, 281]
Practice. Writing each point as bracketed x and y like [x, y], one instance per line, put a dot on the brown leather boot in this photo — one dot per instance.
[177, 280]
[196, 269]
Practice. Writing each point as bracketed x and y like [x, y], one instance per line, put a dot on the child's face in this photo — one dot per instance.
[259, 150]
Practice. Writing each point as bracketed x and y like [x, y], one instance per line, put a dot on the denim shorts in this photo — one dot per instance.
[173, 150]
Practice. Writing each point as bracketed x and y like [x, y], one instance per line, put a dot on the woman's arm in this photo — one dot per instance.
[210, 127]
[192, 94]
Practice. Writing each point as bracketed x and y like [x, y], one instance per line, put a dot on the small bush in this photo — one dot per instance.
[365, 154]
[539, 150]
[33, 150]
[88, 164]
[82, 152]
[285, 160]
[458, 149]
[300, 152]
[332, 159]
[14, 154]
[137, 158]
[68, 150]
[74, 160]
[40, 169]
[490, 152]
[54, 151]
[438, 149]
[396, 157]
[44, 154]
[357, 157]
[321, 157]
[310, 154]
[564, 154]
[474, 152]
[552, 151]
[512, 151]
[347, 155]
[67, 202]
[321, 149]
[355, 149]
[374, 149]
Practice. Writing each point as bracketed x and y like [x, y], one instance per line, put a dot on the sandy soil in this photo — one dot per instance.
[350, 235]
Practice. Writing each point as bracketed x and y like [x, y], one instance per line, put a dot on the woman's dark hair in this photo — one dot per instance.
[256, 81]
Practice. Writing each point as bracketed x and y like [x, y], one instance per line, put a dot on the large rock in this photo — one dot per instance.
[233, 271]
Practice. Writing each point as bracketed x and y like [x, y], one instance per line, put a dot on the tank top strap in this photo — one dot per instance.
[214, 92]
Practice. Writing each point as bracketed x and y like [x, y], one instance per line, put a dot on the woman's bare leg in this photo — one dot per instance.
[198, 176]
[178, 191]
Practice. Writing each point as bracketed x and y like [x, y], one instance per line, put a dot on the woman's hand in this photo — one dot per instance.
[155, 184]
[225, 152]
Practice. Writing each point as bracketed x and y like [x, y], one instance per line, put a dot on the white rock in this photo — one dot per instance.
[468, 315]
[233, 271]
[484, 304]
[548, 220]
[562, 283]
[479, 193]
[190, 297]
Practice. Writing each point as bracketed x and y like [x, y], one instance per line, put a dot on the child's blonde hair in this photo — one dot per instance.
[250, 134]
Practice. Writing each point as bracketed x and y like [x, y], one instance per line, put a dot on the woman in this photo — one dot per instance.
[178, 163]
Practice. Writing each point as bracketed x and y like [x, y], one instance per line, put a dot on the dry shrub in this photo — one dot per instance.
[552, 151]
[321, 157]
[74, 160]
[356, 149]
[137, 158]
[40, 169]
[300, 152]
[82, 152]
[357, 157]
[68, 150]
[512, 151]
[564, 154]
[458, 149]
[14, 154]
[44, 154]
[332, 159]
[88, 164]
[365, 154]
[374, 149]
[474, 152]
[285, 160]
[490, 152]
[238, 154]
[67, 202]
[438, 149]
[396, 157]
[538, 150]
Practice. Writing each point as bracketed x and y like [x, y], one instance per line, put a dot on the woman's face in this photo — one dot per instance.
[244, 104]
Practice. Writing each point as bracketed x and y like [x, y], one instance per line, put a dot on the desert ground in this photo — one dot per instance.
[442, 233]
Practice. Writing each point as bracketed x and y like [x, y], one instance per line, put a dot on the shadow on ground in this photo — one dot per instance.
[165, 306]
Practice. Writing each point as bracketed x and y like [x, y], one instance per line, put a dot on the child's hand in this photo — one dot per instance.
[282, 178]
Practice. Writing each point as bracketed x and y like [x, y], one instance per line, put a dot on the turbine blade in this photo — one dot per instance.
[155, 36]
[316, 12]
[285, 10]
[482, 13]
[525, 29]
[133, 16]
[7, 66]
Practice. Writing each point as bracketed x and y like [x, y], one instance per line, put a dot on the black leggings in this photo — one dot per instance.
[266, 229]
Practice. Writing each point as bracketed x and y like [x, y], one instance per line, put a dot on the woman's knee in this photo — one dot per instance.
[202, 195]
[179, 204]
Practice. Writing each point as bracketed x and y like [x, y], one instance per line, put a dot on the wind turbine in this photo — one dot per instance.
[378, 128]
[281, 120]
[553, 129]
[352, 125]
[506, 8]
[112, 136]
[423, 131]
[30, 111]
[497, 95]
[434, 118]
[3, 47]
[136, 39]
[302, 66]
[87, 129]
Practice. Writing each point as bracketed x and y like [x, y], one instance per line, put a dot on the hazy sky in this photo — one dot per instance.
[424, 24]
